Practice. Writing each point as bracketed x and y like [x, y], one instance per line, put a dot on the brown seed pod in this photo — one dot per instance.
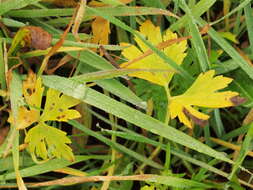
[37, 38]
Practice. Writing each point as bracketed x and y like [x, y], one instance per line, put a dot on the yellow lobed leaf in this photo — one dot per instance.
[48, 142]
[202, 93]
[175, 51]
[57, 107]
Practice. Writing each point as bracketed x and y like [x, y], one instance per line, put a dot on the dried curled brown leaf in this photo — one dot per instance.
[37, 38]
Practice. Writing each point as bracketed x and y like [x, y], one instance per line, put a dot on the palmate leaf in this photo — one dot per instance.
[45, 141]
[175, 51]
[202, 93]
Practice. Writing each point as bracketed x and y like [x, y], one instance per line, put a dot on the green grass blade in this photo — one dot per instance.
[2, 66]
[50, 166]
[245, 148]
[15, 96]
[197, 41]
[113, 11]
[178, 182]
[115, 145]
[15, 4]
[229, 50]
[200, 8]
[249, 24]
[94, 98]
[238, 8]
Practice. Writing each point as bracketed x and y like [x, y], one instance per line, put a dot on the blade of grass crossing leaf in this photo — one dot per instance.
[196, 40]
[249, 24]
[113, 86]
[246, 147]
[15, 96]
[111, 74]
[92, 97]
[15, 4]
[161, 54]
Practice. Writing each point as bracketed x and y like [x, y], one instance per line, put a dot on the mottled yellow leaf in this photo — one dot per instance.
[202, 93]
[176, 52]
[57, 107]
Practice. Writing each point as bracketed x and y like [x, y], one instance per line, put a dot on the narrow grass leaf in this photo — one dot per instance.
[50, 166]
[229, 50]
[249, 24]
[197, 40]
[245, 148]
[200, 8]
[115, 145]
[15, 4]
[113, 11]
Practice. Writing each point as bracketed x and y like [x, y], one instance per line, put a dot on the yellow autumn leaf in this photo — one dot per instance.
[101, 30]
[202, 93]
[57, 107]
[176, 52]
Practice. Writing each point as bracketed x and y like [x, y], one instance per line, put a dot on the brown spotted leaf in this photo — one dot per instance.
[57, 107]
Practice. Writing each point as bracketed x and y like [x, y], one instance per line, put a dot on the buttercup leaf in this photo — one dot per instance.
[47, 142]
[175, 51]
[57, 107]
[202, 93]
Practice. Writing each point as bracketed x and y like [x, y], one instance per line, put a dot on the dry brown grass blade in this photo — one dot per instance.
[229, 145]
[54, 49]
[77, 180]
[78, 19]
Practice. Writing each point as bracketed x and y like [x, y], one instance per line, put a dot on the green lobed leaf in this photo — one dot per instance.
[46, 142]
